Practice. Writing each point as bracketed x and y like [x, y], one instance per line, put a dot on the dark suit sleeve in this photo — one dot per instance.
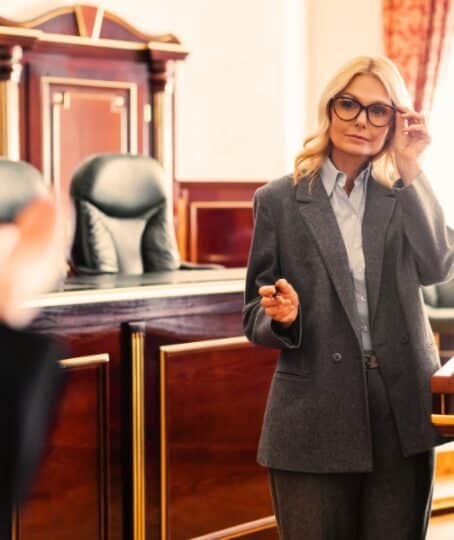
[30, 386]
[264, 269]
[430, 239]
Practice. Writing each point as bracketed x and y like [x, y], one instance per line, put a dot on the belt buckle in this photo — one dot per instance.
[370, 360]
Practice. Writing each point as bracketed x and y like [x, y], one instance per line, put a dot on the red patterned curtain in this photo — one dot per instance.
[417, 38]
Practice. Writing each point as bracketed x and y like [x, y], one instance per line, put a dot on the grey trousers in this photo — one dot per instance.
[390, 503]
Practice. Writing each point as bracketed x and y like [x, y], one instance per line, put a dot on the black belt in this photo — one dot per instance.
[370, 360]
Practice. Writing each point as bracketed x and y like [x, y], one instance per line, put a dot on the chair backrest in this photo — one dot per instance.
[122, 218]
[20, 183]
[430, 295]
[446, 294]
[440, 295]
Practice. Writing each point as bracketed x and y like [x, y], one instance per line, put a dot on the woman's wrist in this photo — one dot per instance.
[408, 171]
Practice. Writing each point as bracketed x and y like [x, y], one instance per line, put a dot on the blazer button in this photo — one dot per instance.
[404, 339]
[337, 357]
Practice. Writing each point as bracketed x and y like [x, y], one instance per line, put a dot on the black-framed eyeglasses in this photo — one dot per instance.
[348, 108]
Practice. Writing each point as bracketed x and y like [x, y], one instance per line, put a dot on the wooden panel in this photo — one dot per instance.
[211, 323]
[73, 111]
[221, 232]
[235, 189]
[214, 220]
[63, 21]
[110, 29]
[213, 397]
[70, 494]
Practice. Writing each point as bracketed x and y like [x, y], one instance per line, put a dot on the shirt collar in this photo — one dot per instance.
[331, 176]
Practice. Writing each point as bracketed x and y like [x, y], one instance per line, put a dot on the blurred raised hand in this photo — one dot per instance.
[33, 254]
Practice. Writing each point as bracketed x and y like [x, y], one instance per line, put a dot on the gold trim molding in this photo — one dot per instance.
[9, 120]
[239, 531]
[442, 419]
[138, 435]
[208, 344]
[9, 106]
[442, 504]
[104, 43]
[15, 524]
[163, 414]
[82, 361]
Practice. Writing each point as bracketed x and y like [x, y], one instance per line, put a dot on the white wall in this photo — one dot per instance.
[230, 92]
[339, 31]
[247, 93]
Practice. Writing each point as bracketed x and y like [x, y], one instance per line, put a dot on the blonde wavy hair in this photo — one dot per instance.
[317, 146]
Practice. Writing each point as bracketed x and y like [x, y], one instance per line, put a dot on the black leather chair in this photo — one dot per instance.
[439, 301]
[30, 375]
[123, 223]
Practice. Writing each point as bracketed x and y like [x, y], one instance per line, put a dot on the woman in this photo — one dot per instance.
[339, 252]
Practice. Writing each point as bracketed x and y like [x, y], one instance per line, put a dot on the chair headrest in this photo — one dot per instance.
[446, 294]
[20, 183]
[121, 185]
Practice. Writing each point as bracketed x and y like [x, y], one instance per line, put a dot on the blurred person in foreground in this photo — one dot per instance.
[33, 248]
[340, 250]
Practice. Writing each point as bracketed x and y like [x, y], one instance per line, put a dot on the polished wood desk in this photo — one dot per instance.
[156, 433]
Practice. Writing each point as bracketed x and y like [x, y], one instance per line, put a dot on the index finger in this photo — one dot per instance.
[402, 109]
[284, 286]
[267, 290]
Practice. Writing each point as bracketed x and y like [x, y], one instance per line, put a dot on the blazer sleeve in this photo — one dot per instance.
[263, 269]
[431, 240]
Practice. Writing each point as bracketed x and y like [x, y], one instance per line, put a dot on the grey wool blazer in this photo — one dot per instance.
[316, 418]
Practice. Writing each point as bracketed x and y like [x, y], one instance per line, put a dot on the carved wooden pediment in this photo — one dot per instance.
[81, 26]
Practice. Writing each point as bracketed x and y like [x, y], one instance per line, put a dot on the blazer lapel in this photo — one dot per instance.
[318, 215]
[379, 208]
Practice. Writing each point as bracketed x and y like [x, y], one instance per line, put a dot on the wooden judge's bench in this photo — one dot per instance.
[157, 430]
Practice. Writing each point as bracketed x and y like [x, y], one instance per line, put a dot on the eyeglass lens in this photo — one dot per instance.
[378, 114]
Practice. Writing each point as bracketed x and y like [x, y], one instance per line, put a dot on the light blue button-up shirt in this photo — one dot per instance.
[349, 212]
